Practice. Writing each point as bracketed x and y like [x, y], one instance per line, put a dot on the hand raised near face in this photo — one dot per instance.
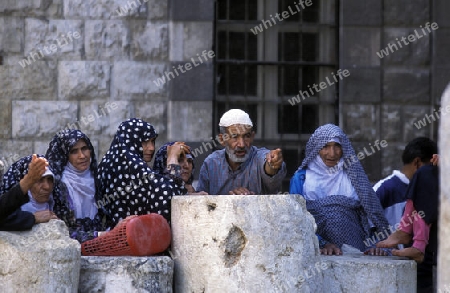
[175, 151]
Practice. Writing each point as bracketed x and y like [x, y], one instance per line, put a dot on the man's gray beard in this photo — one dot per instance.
[234, 158]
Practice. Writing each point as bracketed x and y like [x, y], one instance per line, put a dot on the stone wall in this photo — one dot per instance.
[384, 97]
[92, 64]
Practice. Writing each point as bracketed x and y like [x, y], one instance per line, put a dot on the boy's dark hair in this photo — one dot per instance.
[421, 147]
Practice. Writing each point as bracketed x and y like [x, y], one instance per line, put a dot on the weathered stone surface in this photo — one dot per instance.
[11, 151]
[150, 41]
[414, 53]
[107, 40]
[53, 39]
[356, 12]
[126, 274]
[35, 81]
[95, 115]
[188, 40]
[391, 119]
[11, 34]
[406, 86]
[83, 80]
[417, 122]
[361, 273]
[371, 158]
[245, 244]
[5, 119]
[31, 125]
[359, 46]
[44, 259]
[138, 80]
[123, 111]
[441, 77]
[362, 85]
[156, 114]
[48, 8]
[442, 47]
[441, 7]
[195, 84]
[444, 214]
[360, 122]
[406, 12]
[183, 127]
[157, 10]
[105, 9]
[391, 158]
[192, 10]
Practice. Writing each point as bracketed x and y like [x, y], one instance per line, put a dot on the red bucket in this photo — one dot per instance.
[135, 236]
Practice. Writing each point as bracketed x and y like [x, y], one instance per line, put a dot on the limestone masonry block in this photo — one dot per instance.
[251, 243]
[110, 274]
[83, 80]
[43, 259]
[31, 125]
[137, 80]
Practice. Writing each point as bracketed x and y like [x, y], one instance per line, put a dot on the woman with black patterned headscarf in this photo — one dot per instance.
[31, 202]
[128, 185]
[72, 157]
[337, 191]
[187, 167]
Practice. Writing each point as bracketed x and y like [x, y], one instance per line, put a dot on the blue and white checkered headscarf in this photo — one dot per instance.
[353, 168]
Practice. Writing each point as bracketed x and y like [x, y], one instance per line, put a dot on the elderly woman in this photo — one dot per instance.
[72, 157]
[128, 185]
[337, 191]
[37, 206]
[187, 167]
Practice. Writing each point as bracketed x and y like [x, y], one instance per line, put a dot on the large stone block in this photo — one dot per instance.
[370, 158]
[41, 119]
[158, 10]
[95, 115]
[38, 8]
[35, 81]
[355, 12]
[189, 120]
[417, 122]
[11, 34]
[196, 84]
[406, 86]
[406, 12]
[245, 244]
[138, 80]
[391, 121]
[107, 40]
[190, 39]
[444, 218]
[105, 9]
[441, 7]
[442, 47]
[124, 110]
[156, 114]
[83, 80]
[53, 39]
[441, 77]
[193, 10]
[391, 158]
[150, 41]
[360, 273]
[360, 122]
[362, 85]
[5, 119]
[13, 150]
[359, 46]
[112, 274]
[414, 53]
[44, 259]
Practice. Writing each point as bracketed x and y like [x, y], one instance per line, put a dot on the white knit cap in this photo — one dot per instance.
[235, 116]
[48, 172]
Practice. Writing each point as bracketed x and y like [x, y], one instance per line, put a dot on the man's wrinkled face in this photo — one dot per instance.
[42, 189]
[331, 153]
[237, 141]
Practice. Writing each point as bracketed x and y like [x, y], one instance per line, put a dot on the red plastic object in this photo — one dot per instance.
[135, 236]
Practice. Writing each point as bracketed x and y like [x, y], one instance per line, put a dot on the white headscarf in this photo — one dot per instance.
[33, 206]
[322, 180]
[81, 188]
